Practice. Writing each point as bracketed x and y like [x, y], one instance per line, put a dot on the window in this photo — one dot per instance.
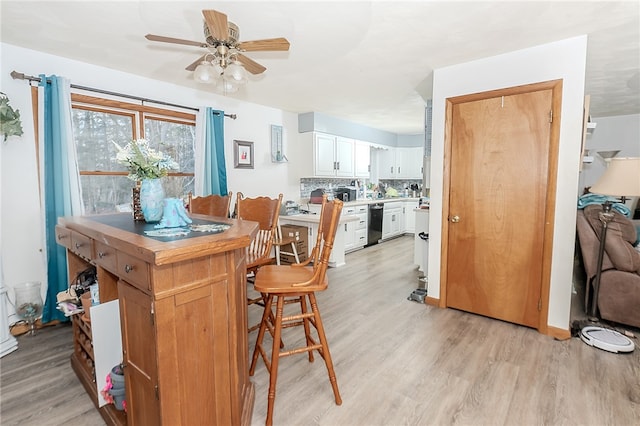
[98, 123]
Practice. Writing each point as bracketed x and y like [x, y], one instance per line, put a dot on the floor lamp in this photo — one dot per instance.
[620, 179]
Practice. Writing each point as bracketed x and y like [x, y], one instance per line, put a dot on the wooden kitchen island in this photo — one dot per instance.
[182, 313]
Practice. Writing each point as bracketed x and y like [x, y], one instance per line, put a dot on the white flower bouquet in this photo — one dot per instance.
[143, 161]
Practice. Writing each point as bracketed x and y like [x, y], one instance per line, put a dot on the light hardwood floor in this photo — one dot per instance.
[397, 362]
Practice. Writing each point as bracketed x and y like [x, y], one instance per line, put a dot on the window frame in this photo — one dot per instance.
[138, 113]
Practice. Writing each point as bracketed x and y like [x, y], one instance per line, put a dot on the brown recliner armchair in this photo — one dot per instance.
[619, 294]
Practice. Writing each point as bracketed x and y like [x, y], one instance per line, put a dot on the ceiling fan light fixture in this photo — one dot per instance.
[204, 73]
[235, 73]
[225, 63]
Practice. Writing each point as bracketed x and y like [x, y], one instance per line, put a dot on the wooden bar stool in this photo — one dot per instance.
[265, 211]
[297, 283]
[211, 205]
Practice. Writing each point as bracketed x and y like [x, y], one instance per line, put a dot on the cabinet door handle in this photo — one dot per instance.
[128, 268]
[338, 163]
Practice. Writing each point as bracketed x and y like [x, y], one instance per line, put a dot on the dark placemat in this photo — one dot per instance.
[197, 228]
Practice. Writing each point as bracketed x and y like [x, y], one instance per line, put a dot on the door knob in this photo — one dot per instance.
[455, 219]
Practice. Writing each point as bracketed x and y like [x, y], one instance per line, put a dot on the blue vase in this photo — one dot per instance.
[151, 199]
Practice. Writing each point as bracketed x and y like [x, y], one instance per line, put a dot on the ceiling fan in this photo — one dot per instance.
[225, 63]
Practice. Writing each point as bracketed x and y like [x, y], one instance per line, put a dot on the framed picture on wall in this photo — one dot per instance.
[243, 154]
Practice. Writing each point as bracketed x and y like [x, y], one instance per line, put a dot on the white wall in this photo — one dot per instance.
[611, 133]
[559, 60]
[21, 237]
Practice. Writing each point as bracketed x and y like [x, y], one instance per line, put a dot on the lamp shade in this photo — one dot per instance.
[621, 178]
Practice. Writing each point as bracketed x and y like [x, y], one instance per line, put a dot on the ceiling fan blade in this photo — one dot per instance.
[193, 66]
[250, 65]
[269, 44]
[217, 23]
[163, 39]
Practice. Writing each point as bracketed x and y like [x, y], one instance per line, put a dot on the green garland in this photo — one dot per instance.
[10, 124]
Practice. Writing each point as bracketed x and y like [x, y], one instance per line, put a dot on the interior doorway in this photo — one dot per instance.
[500, 180]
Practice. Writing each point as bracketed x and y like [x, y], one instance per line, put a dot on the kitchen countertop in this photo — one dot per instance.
[376, 200]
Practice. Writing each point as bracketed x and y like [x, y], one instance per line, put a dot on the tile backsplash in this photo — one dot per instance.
[330, 184]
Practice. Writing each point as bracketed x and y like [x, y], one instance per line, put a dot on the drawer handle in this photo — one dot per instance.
[128, 268]
[101, 254]
[78, 246]
[61, 236]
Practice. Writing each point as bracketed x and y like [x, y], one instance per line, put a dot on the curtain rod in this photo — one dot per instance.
[21, 76]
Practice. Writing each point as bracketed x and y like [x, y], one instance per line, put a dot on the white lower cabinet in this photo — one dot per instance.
[349, 236]
[355, 231]
[392, 219]
[410, 216]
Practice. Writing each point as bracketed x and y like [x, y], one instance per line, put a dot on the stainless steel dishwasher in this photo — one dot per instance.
[375, 223]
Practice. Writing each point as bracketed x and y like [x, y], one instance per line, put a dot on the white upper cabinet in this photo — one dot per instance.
[362, 153]
[400, 163]
[409, 162]
[386, 163]
[324, 154]
[344, 157]
[333, 156]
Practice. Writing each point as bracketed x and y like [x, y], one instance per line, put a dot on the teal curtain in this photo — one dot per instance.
[60, 182]
[211, 170]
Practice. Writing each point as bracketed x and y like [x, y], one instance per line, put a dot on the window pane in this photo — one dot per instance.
[101, 194]
[174, 139]
[177, 186]
[95, 130]
[94, 134]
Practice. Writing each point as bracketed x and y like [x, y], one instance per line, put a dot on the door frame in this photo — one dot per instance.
[552, 178]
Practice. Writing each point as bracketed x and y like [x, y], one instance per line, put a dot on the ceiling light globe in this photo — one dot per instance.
[204, 73]
[227, 86]
[235, 73]
[217, 71]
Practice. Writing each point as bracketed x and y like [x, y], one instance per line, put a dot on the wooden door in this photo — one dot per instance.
[499, 167]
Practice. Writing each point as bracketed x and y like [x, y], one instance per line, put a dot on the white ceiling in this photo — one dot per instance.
[368, 62]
